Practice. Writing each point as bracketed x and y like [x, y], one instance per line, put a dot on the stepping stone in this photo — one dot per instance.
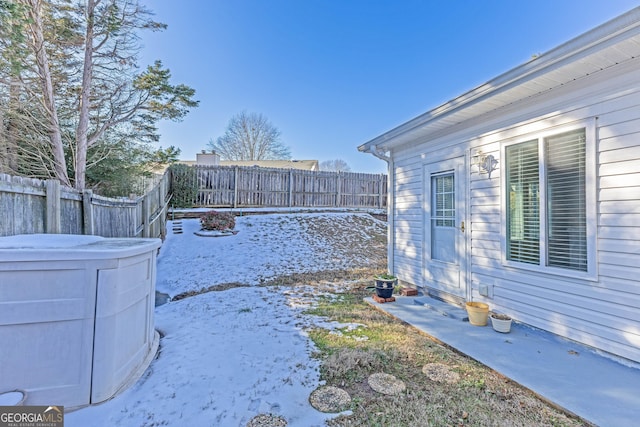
[267, 420]
[440, 373]
[386, 384]
[330, 399]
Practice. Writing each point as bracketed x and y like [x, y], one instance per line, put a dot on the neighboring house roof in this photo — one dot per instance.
[187, 162]
[311, 165]
[611, 44]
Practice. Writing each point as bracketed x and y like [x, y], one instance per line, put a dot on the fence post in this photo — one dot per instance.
[315, 187]
[164, 201]
[54, 225]
[235, 187]
[338, 189]
[290, 187]
[157, 231]
[87, 212]
[380, 182]
[146, 214]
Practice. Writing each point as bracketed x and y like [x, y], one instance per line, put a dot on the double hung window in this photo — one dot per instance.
[546, 212]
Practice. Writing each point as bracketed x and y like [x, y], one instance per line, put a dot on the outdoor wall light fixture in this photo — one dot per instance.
[486, 163]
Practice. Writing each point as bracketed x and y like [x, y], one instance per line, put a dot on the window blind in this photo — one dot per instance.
[523, 213]
[566, 205]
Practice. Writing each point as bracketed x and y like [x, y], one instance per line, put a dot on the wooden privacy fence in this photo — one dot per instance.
[32, 206]
[237, 186]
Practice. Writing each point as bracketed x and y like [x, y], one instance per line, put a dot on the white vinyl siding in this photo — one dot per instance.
[408, 227]
[598, 307]
[558, 183]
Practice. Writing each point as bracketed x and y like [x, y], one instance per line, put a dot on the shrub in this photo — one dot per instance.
[184, 185]
[220, 221]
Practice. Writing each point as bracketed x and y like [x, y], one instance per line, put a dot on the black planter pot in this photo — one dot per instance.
[384, 287]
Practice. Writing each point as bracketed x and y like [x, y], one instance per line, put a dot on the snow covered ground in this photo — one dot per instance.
[266, 246]
[229, 355]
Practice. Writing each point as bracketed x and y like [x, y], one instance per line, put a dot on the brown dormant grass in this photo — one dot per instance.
[473, 395]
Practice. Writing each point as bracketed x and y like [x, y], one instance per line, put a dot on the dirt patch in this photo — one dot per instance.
[214, 288]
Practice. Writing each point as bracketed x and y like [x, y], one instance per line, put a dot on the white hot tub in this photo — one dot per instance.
[76, 315]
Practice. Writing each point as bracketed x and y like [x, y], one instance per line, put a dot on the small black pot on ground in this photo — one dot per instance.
[384, 286]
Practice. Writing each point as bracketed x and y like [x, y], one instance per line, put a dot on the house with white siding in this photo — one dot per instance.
[524, 193]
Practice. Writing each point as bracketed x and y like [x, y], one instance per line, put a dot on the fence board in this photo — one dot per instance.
[23, 201]
[23, 210]
[235, 186]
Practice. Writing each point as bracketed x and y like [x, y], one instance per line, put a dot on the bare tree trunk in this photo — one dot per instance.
[48, 101]
[83, 122]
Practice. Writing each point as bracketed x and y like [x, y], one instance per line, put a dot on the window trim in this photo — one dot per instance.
[590, 195]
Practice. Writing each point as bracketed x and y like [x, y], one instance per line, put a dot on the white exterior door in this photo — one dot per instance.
[444, 245]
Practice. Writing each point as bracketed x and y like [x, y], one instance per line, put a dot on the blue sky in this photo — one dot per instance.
[333, 74]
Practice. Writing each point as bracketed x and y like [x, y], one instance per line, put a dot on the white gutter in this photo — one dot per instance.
[390, 202]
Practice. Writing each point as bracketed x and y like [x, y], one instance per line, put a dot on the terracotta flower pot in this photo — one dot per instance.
[478, 313]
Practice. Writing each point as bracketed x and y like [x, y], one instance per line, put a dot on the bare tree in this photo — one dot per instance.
[337, 165]
[250, 136]
[36, 33]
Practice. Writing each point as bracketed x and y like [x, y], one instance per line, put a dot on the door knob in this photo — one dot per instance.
[462, 226]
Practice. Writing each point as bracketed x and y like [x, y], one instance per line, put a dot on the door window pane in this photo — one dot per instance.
[443, 218]
[444, 201]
